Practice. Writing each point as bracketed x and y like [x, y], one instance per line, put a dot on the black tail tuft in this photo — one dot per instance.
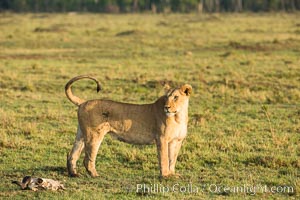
[98, 87]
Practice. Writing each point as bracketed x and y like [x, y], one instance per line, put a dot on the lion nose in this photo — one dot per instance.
[167, 108]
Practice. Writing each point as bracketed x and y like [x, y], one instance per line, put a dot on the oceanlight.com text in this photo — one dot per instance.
[212, 188]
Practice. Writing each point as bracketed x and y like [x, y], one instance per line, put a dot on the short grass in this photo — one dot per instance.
[244, 127]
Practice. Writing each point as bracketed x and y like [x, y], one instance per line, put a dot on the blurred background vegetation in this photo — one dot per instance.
[155, 6]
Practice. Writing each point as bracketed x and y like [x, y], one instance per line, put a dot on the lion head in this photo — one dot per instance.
[177, 99]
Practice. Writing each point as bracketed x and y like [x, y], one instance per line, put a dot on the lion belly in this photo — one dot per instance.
[132, 132]
[130, 123]
[132, 139]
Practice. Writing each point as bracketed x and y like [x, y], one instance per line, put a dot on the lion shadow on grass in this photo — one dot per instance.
[59, 169]
[40, 171]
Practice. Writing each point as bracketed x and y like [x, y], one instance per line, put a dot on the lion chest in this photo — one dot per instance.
[175, 130]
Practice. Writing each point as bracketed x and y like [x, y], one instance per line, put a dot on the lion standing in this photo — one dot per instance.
[163, 122]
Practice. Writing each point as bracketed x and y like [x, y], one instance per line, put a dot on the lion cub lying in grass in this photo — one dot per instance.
[163, 122]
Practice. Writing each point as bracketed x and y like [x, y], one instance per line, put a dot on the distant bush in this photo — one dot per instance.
[115, 6]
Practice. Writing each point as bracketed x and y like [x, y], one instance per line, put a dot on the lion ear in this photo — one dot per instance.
[186, 89]
[167, 87]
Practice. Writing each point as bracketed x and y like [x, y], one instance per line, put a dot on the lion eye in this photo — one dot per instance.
[175, 98]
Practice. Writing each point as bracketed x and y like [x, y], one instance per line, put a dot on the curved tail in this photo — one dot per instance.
[76, 100]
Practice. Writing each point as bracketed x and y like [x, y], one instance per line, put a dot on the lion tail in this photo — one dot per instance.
[74, 99]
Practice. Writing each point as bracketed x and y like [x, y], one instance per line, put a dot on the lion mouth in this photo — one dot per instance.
[169, 114]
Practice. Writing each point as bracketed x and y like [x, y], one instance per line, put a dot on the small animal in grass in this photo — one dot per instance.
[35, 184]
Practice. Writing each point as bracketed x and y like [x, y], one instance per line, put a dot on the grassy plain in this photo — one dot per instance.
[244, 113]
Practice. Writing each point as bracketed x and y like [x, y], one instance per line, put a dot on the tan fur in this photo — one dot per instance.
[163, 122]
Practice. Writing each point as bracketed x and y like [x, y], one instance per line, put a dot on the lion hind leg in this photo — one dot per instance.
[92, 145]
[74, 155]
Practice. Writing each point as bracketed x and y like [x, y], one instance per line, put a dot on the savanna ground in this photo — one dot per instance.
[244, 113]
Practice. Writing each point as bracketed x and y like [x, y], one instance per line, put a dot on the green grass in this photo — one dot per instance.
[244, 113]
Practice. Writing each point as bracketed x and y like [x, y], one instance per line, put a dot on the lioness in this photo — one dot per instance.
[163, 122]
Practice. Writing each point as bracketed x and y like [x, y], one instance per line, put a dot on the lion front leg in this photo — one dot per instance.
[174, 148]
[163, 160]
